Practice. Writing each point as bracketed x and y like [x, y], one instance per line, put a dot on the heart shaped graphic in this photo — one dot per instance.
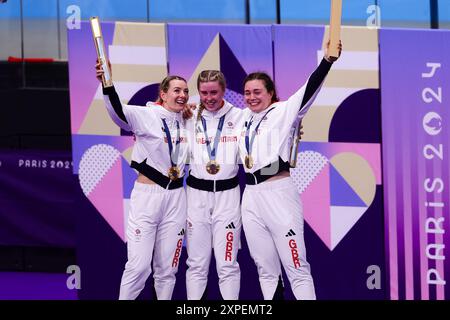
[335, 193]
[100, 175]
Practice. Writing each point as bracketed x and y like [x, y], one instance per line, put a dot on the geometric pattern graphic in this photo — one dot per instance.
[101, 174]
[352, 171]
[235, 98]
[220, 47]
[139, 56]
[338, 176]
[355, 71]
[137, 52]
[219, 56]
[94, 165]
[343, 194]
[363, 108]
[105, 175]
[338, 165]
[335, 190]
[309, 165]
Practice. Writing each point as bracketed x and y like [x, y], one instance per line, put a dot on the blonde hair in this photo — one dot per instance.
[210, 76]
[165, 84]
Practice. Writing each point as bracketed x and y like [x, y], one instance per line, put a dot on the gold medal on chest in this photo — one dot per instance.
[174, 173]
[212, 167]
[248, 161]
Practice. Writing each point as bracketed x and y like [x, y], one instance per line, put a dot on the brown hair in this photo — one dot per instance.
[268, 83]
[210, 76]
[165, 84]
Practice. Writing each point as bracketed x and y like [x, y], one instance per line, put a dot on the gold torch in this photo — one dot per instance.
[335, 27]
[295, 141]
[101, 53]
[335, 37]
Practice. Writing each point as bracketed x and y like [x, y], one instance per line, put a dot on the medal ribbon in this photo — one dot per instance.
[212, 152]
[249, 141]
[169, 142]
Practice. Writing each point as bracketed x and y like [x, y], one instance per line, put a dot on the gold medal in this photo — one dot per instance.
[248, 161]
[212, 167]
[174, 173]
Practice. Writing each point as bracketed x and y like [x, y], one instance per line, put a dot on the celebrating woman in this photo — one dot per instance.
[272, 213]
[214, 215]
[157, 217]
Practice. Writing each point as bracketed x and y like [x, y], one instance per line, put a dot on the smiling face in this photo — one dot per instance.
[176, 96]
[256, 95]
[211, 95]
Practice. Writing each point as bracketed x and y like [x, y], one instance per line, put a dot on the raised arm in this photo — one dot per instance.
[115, 108]
[302, 100]
[112, 101]
[314, 84]
[316, 80]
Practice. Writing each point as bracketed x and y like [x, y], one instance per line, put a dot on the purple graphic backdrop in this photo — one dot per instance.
[415, 152]
[348, 249]
[241, 50]
[295, 55]
[82, 57]
[343, 221]
[415, 78]
[188, 43]
[38, 193]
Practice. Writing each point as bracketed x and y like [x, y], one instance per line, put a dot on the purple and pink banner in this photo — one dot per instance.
[38, 199]
[338, 173]
[370, 233]
[415, 79]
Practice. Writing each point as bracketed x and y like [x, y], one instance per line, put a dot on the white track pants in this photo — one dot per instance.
[272, 216]
[155, 229]
[214, 221]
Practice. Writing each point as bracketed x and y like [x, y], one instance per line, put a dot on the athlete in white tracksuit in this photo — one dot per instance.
[213, 193]
[157, 218]
[272, 213]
